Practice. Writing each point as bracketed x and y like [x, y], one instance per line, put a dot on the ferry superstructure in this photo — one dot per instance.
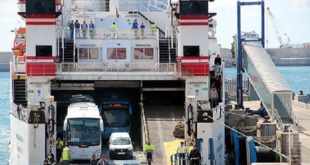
[171, 64]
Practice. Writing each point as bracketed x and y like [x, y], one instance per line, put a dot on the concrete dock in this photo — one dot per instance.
[301, 112]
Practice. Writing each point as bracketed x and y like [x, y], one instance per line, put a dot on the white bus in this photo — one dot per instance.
[83, 128]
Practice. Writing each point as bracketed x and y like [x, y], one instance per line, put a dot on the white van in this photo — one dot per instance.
[120, 146]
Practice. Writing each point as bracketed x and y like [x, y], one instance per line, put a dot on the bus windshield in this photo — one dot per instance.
[83, 132]
[115, 116]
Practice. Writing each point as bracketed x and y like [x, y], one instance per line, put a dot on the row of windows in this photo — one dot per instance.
[116, 53]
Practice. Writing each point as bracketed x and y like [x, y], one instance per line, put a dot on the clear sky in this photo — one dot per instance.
[292, 15]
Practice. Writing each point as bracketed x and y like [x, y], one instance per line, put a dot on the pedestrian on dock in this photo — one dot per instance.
[65, 157]
[149, 150]
[194, 156]
[181, 151]
[93, 160]
[102, 160]
[59, 147]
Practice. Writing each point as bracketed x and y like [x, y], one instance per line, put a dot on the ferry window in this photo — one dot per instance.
[191, 51]
[40, 7]
[88, 53]
[83, 53]
[143, 53]
[43, 50]
[116, 53]
[93, 53]
[194, 7]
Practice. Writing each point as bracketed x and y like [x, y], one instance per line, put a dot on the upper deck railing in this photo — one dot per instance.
[118, 34]
[116, 67]
[109, 34]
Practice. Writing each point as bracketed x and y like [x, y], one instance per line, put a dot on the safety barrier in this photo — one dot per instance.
[117, 67]
[179, 159]
[117, 34]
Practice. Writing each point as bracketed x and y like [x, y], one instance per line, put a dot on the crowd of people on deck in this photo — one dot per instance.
[84, 27]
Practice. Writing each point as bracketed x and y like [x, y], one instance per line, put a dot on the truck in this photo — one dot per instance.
[83, 127]
[116, 115]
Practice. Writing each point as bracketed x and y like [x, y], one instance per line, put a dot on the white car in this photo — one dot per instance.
[120, 146]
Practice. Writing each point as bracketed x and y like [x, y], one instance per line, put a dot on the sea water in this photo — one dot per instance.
[297, 77]
[4, 117]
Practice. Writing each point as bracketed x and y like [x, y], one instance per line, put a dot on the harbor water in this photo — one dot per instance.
[297, 77]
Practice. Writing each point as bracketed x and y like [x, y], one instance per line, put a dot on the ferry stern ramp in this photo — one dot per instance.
[161, 112]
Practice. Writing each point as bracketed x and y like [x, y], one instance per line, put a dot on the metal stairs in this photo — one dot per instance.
[66, 53]
[166, 53]
[20, 92]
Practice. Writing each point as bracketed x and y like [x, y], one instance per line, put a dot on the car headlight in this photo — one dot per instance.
[112, 149]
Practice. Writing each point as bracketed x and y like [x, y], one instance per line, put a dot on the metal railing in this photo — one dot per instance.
[116, 67]
[193, 69]
[179, 159]
[157, 4]
[117, 34]
[230, 86]
[47, 69]
[145, 134]
[101, 33]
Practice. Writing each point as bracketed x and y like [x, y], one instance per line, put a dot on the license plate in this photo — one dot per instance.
[121, 153]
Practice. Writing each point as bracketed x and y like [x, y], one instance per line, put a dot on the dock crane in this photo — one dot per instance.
[277, 29]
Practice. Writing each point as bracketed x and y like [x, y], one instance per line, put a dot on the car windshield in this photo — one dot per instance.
[83, 132]
[121, 141]
[115, 116]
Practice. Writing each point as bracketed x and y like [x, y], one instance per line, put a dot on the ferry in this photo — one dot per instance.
[163, 69]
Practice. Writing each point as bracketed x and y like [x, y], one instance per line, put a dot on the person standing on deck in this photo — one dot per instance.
[113, 30]
[142, 27]
[213, 97]
[71, 27]
[91, 29]
[217, 65]
[84, 28]
[77, 26]
[135, 27]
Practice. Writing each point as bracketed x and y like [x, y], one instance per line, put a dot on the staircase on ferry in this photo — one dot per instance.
[167, 53]
[20, 92]
[66, 53]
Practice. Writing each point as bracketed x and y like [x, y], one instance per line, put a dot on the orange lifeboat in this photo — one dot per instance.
[20, 42]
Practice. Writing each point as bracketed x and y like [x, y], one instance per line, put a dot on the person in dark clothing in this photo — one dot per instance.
[217, 60]
[77, 26]
[194, 156]
[93, 160]
[102, 161]
[71, 27]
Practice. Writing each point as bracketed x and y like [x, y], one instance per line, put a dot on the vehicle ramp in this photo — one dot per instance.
[161, 120]
[269, 84]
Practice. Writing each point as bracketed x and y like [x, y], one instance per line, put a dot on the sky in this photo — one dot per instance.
[293, 16]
